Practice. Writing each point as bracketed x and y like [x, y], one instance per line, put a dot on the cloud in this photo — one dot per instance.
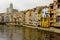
[23, 4]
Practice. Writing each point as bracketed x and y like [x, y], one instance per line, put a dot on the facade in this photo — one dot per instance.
[54, 13]
[12, 15]
[28, 17]
[44, 16]
[31, 16]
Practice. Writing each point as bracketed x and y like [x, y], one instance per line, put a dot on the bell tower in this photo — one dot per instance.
[10, 8]
[11, 5]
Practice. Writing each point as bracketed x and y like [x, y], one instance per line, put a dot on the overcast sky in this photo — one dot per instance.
[23, 4]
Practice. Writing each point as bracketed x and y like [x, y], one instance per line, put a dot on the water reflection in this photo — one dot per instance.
[3, 35]
[17, 33]
[10, 32]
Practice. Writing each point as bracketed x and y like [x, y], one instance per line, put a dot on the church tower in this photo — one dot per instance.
[10, 9]
[11, 5]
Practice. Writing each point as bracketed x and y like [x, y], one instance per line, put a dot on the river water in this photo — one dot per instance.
[10, 32]
[17, 33]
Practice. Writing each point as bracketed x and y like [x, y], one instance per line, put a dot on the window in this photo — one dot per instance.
[34, 10]
[7, 18]
[58, 5]
[51, 14]
[58, 1]
[38, 25]
[58, 18]
[30, 14]
[44, 19]
[51, 5]
[38, 20]
[2, 19]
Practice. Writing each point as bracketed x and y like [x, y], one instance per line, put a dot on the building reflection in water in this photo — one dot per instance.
[11, 32]
[17, 33]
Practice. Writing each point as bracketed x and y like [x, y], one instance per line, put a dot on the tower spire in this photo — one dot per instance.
[11, 5]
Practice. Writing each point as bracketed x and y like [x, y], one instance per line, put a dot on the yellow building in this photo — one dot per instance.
[45, 20]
